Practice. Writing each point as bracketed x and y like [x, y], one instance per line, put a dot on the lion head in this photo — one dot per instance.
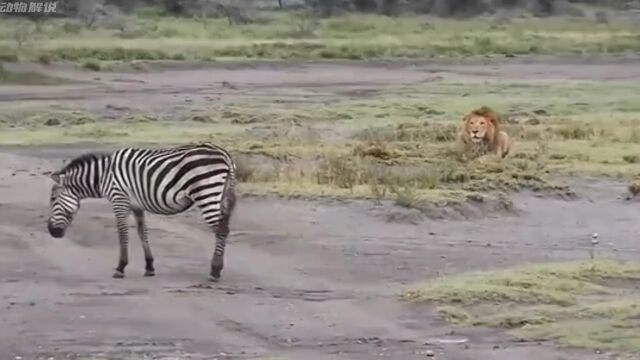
[482, 126]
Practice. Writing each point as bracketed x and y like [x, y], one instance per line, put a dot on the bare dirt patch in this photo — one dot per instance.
[160, 89]
[330, 271]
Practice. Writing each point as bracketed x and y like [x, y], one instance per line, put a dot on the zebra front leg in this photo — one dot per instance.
[123, 238]
[142, 234]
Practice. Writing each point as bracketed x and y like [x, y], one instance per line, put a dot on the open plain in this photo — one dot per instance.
[308, 277]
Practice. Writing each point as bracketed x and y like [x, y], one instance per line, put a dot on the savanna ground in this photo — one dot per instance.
[353, 192]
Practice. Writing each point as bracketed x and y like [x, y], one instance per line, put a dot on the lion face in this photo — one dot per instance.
[479, 128]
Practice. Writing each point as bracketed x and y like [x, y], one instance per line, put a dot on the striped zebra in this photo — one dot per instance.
[159, 181]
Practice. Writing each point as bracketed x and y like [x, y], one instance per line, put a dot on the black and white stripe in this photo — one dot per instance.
[159, 181]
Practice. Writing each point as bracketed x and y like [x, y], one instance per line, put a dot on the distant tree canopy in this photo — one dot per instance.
[331, 7]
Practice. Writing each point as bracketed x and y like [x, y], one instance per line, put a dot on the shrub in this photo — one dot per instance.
[91, 65]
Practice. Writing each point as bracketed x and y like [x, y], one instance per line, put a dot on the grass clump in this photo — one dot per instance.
[592, 304]
[634, 188]
[28, 78]
[536, 285]
[108, 54]
[8, 56]
[91, 65]
[631, 158]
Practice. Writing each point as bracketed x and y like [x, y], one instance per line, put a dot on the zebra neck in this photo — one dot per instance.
[91, 180]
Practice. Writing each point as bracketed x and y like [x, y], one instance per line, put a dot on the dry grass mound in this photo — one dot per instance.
[590, 304]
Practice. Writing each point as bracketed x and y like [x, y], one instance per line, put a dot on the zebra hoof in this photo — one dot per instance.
[150, 273]
[118, 275]
[214, 278]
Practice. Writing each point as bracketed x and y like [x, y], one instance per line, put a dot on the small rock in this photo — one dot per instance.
[430, 353]
[228, 85]
[52, 122]
[533, 121]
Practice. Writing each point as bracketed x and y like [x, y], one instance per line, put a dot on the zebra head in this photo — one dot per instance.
[64, 204]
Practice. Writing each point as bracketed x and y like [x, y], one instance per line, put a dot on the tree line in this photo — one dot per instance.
[333, 7]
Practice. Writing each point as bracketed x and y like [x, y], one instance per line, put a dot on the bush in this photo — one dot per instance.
[109, 54]
[91, 65]
[9, 56]
[44, 59]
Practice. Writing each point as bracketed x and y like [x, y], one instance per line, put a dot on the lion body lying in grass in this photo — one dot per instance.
[481, 134]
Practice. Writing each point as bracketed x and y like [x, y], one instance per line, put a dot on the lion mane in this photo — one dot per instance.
[494, 140]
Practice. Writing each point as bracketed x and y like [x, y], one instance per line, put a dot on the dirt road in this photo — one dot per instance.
[303, 280]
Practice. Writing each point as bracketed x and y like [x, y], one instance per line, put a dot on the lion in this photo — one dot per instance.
[481, 132]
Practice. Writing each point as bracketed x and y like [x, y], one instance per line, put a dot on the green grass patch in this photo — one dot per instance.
[28, 78]
[295, 35]
[591, 304]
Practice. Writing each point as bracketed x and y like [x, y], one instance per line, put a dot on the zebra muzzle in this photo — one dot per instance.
[56, 232]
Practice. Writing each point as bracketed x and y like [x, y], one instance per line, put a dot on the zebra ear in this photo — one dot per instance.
[55, 177]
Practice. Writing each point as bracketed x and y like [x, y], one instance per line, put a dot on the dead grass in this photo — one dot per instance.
[591, 304]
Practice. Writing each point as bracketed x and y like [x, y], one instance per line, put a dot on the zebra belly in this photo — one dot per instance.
[181, 204]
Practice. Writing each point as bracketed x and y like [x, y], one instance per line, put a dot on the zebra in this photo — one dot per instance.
[163, 181]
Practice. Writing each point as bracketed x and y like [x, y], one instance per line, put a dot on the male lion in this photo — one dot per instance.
[481, 133]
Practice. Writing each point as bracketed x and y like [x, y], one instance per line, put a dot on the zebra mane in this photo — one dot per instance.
[82, 160]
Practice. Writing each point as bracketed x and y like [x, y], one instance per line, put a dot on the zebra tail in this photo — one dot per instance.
[228, 201]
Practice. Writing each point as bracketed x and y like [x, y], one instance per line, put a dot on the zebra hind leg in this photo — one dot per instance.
[144, 239]
[227, 205]
[123, 237]
[218, 215]
[217, 261]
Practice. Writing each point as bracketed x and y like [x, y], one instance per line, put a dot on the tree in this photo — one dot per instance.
[389, 7]
[365, 5]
